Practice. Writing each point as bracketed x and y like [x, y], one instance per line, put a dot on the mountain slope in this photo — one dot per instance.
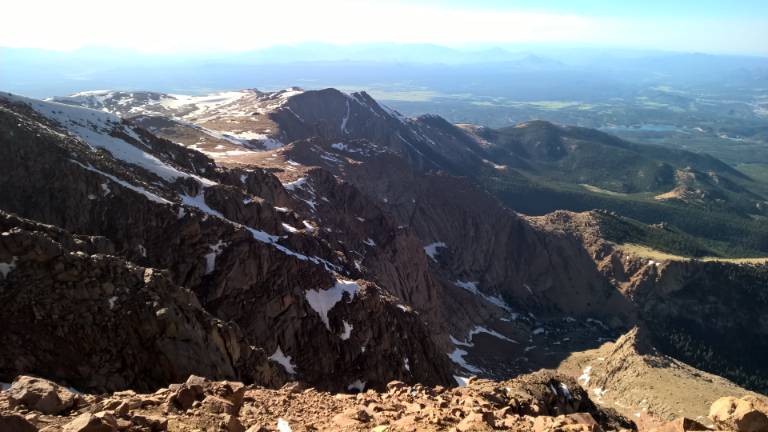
[244, 258]
[444, 269]
[548, 167]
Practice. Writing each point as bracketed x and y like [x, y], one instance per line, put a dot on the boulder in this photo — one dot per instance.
[231, 391]
[15, 423]
[476, 422]
[41, 395]
[89, 423]
[217, 405]
[184, 397]
[351, 417]
[681, 424]
[748, 414]
[232, 424]
[154, 423]
[575, 422]
[197, 384]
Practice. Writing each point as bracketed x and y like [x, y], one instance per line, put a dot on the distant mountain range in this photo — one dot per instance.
[42, 73]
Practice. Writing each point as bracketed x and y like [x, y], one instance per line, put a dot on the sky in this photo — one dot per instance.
[709, 26]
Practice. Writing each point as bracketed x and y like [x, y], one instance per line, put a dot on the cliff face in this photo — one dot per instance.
[294, 295]
[707, 314]
[75, 312]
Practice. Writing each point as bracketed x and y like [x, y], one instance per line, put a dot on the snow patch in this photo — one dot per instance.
[472, 287]
[322, 301]
[357, 385]
[340, 146]
[149, 195]
[291, 186]
[345, 120]
[284, 360]
[469, 286]
[199, 203]
[283, 426]
[289, 228]
[8, 267]
[583, 379]
[475, 331]
[457, 356]
[481, 329]
[95, 129]
[347, 331]
[460, 343]
[431, 249]
[210, 258]
[461, 381]
[259, 235]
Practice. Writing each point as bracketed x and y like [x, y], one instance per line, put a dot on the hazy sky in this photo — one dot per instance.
[735, 26]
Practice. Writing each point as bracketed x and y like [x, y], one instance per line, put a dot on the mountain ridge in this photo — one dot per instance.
[300, 245]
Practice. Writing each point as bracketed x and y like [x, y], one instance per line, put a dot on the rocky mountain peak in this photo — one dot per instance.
[319, 236]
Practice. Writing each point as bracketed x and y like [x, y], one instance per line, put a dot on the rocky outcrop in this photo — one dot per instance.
[748, 414]
[15, 423]
[477, 239]
[68, 303]
[702, 313]
[427, 143]
[540, 402]
[643, 383]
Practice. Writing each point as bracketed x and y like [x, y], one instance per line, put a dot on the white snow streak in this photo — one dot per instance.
[210, 258]
[141, 190]
[347, 331]
[457, 356]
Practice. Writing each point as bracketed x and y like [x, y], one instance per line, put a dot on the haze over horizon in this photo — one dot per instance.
[714, 27]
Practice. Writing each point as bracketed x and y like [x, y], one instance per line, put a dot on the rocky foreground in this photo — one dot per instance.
[540, 402]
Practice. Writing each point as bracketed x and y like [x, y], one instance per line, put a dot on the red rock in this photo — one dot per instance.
[41, 395]
[748, 414]
[89, 423]
[216, 405]
[15, 423]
